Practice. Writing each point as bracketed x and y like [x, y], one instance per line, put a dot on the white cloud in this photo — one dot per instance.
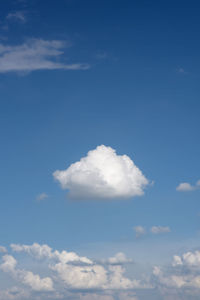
[41, 196]
[188, 259]
[72, 271]
[26, 277]
[139, 230]
[3, 249]
[118, 259]
[14, 293]
[9, 263]
[35, 54]
[184, 274]
[103, 174]
[37, 283]
[160, 229]
[44, 251]
[81, 277]
[17, 16]
[187, 187]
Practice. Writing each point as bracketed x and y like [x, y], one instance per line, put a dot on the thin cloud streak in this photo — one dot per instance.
[34, 55]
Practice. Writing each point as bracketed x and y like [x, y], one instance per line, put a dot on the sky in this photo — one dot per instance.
[99, 143]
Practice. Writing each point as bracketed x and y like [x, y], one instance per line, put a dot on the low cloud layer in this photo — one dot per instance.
[102, 174]
[66, 275]
[35, 54]
[63, 272]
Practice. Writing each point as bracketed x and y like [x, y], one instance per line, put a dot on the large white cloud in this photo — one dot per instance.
[102, 174]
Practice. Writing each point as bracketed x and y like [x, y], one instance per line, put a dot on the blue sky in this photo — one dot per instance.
[122, 75]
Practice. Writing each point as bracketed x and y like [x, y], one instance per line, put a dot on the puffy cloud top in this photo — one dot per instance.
[103, 174]
[187, 187]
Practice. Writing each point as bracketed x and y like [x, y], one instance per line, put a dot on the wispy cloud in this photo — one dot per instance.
[139, 231]
[36, 54]
[17, 16]
[187, 187]
[3, 249]
[181, 70]
[160, 229]
[41, 196]
[101, 55]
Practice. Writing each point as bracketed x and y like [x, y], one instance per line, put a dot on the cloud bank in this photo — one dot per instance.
[102, 174]
[64, 272]
[66, 275]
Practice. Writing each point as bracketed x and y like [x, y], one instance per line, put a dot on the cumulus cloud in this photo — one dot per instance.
[103, 174]
[35, 54]
[183, 274]
[179, 280]
[139, 230]
[26, 277]
[71, 271]
[44, 251]
[160, 229]
[187, 187]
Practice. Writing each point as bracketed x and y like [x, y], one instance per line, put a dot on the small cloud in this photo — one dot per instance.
[17, 16]
[102, 174]
[101, 55]
[181, 71]
[160, 229]
[119, 259]
[41, 196]
[34, 55]
[139, 230]
[3, 249]
[187, 187]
